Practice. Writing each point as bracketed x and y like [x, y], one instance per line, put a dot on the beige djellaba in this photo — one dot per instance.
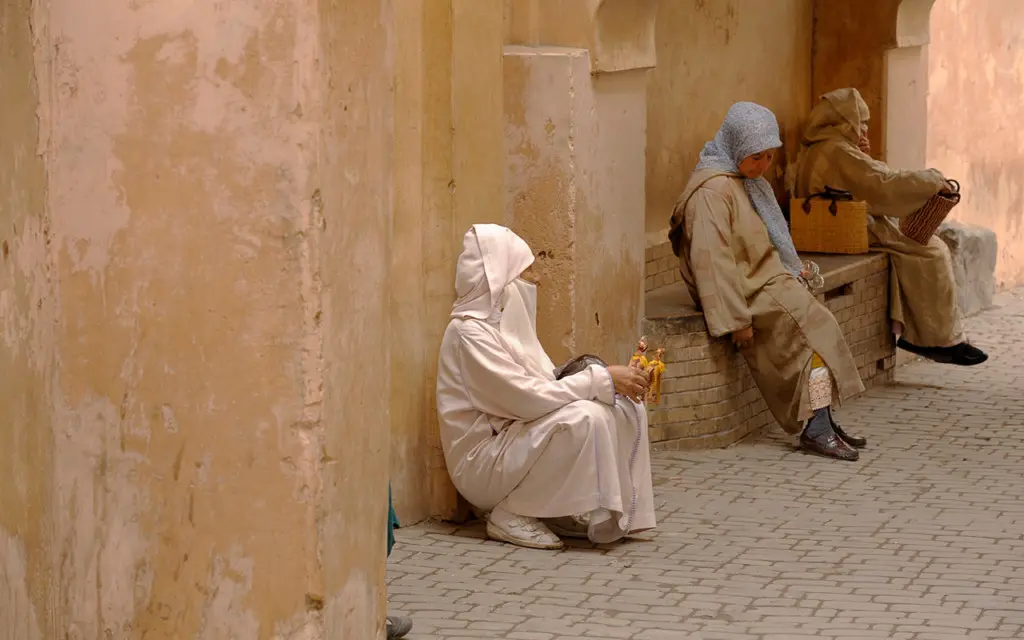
[922, 288]
[733, 272]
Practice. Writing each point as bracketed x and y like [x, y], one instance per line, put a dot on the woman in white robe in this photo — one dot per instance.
[542, 456]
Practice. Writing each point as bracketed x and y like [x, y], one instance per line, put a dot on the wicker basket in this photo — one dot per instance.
[829, 222]
[921, 225]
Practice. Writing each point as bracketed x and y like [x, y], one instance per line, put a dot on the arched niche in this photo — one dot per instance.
[623, 35]
[912, 23]
[619, 34]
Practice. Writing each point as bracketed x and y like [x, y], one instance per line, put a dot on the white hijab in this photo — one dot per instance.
[489, 290]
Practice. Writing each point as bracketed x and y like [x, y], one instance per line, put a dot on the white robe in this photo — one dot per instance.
[540, 447]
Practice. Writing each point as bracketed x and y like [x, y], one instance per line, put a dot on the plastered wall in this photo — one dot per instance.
[976, 79]
[574, 191]
[711, 54]
[27, 357]
[187, 449]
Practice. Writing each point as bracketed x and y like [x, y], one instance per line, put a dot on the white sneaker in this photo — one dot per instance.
[521, 531]
[570, 526]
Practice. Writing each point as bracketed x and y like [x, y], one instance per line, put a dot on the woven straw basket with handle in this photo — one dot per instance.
[921, 225]
[829, 222]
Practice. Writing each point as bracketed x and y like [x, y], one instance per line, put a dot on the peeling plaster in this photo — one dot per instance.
[103, 558]
[90, 103]
[18, 620]
[225, 614]
[165, 289]
[354, 607]
[575, 192]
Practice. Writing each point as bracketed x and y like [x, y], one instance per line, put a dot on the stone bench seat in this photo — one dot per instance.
[708, 396]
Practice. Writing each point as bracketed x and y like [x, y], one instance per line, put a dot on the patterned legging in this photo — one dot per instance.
[820, 384]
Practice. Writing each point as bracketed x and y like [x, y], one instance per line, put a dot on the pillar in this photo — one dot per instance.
[906, 113]
[448, 154]
[354, 186]
[27, 359]
[192, 276]
[575, 130]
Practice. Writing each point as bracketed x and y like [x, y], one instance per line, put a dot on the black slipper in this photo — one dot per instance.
[963, 354]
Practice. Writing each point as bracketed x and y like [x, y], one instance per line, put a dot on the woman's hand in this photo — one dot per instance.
[743, 338]
[629, 381]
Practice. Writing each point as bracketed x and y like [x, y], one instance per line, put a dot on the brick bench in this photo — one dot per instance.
[708, 398]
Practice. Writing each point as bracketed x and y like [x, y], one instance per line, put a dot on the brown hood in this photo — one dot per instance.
[839, 115]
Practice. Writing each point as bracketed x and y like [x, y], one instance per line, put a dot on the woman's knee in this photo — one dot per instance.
[590, 415]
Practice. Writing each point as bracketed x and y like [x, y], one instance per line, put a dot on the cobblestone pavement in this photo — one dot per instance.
[922, 539]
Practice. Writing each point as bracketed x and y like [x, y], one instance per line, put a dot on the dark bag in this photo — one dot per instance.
[577, 364]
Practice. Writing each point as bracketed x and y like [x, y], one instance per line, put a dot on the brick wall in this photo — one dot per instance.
[661, 267]
[708, 397]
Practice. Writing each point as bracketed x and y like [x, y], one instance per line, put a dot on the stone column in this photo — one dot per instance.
[355, 190]
[195, 289]
[575, 133]
[906, 114]
[27, 343]
[575, 178]
[448, 152]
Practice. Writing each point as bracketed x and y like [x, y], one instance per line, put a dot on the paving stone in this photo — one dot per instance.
[920, 540]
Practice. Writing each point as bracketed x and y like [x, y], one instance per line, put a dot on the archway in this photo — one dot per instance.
[906, 92]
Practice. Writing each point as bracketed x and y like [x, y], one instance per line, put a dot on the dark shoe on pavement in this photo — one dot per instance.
[968, 355]
[398, 627]
[829, 446]
[853, 441]
[963, 354]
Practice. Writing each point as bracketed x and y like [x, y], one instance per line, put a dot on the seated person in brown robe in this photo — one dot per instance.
[923, 304]
[738, 262]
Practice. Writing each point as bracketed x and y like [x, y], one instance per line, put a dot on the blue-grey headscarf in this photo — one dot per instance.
[748, 129]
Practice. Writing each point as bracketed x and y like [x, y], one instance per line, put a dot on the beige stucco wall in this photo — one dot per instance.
[710, 55]
[353, 94]
[27, 349]
[618, 35]
[187, 450]
[905, 122]
[574, 145]
[449, 168]
[575, 122]
[976, 60]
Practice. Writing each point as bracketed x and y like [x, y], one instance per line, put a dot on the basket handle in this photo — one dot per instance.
[955, 194]
[833, 195]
